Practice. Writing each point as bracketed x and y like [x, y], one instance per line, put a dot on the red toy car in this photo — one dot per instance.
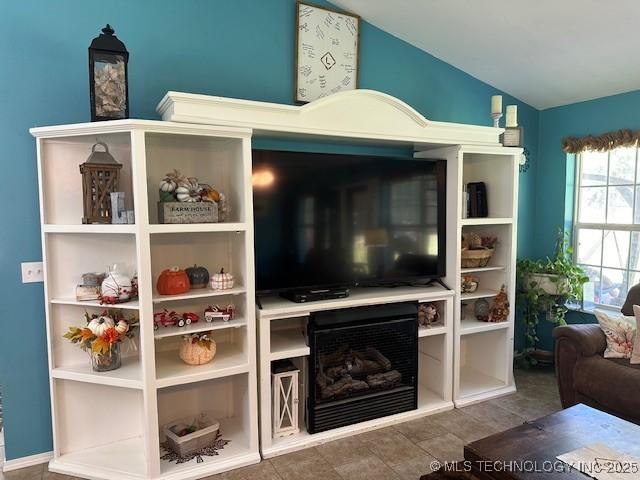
[190, 317]
[217, 313]
[167, 319]
[170, 319]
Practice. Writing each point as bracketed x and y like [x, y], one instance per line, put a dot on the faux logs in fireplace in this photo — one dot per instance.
[363, 364]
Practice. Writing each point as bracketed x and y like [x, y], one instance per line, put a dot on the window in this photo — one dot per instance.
[607, 222]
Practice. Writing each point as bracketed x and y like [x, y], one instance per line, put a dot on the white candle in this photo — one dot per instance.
[512, 116]
[496, 104]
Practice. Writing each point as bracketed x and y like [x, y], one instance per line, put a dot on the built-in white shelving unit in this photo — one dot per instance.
[483, 351]
[460, 360]
[109, 425]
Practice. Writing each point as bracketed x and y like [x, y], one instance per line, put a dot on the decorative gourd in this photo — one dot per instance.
[173, 281]
[167, 185]
[122, 327]
[100, 325]
[222, 280]
[210, 194]
[198, 276]
[171, 181]
[189, 190]
[197, 349]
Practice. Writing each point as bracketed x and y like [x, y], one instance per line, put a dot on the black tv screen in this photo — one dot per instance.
[327, 220]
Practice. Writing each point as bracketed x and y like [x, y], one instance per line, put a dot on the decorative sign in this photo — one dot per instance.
[512, 137]
[326, 52]
[188, 212]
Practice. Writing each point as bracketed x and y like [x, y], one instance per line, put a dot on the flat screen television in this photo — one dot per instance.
[336, 220]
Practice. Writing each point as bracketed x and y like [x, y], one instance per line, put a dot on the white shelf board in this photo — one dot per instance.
[288, 344]
[487, 221]
[197, 227]
[115, 461]
[429, 402]
[471, 325]
[197, 293]
[234, 455]
[132, 305]
[127, 376]
[276, 307]
[429, 331]
[480, 293]
[90, 228]
[200, 326]
[484, 396]
[474, 383]
[170, 370]
[481, 269]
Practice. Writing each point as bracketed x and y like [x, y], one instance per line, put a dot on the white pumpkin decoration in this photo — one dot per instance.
[100, 325]
[167, 185]
[189, 190]
[222, 280]
[122, 327]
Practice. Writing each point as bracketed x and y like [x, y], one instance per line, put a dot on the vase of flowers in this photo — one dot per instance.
[109, 360]
[101, 337]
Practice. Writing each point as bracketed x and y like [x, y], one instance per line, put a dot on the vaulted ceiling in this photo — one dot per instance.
[544, 52]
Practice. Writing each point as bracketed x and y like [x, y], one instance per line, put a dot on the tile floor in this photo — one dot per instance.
[400, 452]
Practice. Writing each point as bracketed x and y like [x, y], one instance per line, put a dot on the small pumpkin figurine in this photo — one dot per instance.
[197, 348]
[198, 276]
[173, 281]
[222, 280]
[189, 190]
[100, 325]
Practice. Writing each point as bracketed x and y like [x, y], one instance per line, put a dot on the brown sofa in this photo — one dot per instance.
[585, 376]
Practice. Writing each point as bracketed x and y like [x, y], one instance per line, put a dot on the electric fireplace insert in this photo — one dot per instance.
[363, 364]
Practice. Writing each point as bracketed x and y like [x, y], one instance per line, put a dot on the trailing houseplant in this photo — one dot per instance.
[548, 286]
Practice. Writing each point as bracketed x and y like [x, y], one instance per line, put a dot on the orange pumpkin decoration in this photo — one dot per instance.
[173, 281]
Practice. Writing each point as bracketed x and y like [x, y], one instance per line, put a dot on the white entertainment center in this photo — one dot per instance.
[461, 361]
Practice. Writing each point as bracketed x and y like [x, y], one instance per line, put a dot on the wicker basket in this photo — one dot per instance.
[206, 430]
[476, 258]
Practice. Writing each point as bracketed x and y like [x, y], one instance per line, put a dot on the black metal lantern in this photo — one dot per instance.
[108, 83]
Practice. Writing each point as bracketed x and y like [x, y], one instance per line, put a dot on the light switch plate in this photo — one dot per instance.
[32, 272]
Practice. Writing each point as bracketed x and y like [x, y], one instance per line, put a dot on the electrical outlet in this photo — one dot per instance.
[32, 272]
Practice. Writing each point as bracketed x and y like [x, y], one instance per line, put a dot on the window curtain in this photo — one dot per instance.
[601, 143]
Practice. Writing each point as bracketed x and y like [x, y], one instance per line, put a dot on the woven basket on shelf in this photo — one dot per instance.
[476, 258]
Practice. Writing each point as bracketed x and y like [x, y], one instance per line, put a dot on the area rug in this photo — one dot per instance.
[208, 451]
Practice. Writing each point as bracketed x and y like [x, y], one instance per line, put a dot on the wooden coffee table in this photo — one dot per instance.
[539, 442]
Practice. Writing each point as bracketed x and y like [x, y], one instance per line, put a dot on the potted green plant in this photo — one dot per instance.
[547, 286]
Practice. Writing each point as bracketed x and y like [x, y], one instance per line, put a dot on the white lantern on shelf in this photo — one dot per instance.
[284, 387]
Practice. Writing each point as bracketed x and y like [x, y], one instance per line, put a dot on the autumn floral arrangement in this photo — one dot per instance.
[101, 337]
[175, 187]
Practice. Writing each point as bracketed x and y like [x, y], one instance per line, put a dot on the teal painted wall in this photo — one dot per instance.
[239, 48]
[578, 119]
[556, 174]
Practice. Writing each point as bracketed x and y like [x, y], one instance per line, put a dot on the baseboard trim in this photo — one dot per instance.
[24, 462]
